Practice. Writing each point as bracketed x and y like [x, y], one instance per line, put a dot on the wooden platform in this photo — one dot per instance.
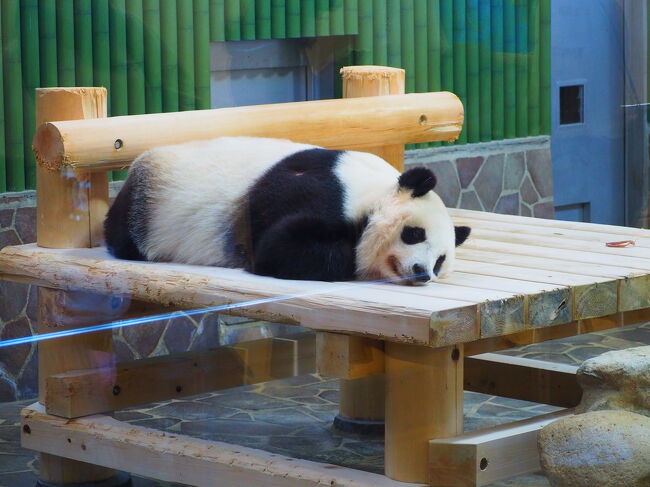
[515, 275]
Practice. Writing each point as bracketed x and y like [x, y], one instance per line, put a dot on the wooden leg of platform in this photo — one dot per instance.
[58, 311]
[424, 400]
[361, 403]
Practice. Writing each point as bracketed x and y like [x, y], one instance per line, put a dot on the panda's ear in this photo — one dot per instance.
[419, 180]
[461, 234]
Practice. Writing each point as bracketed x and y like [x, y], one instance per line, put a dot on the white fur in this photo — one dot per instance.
[382, 238]
[196, 189]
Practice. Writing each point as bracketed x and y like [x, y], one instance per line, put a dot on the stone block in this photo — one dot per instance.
[13, 358]
[601, 448]
[544, 210]
[528, 192]
[508, 204]
[469, 201]
[489, 181]
[28, 381]
[6, 218]
[514, 170]
[13, 298]
[448, 187]
[179, 334]
[467, 169]
[7, 389]
[619, 379]
[25, 224]
[8, 237]
[144, 338]
[540, 168]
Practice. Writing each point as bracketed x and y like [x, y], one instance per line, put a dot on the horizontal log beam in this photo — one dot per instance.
[83, 392]
[522, 378]
[102, 440]
[485, 456]
[353, 123]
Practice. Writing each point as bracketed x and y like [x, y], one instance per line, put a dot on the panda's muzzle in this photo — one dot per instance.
[420, 275]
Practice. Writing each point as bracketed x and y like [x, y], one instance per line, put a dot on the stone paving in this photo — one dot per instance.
[293, 416]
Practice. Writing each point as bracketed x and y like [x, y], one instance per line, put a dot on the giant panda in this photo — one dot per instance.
[283, 209]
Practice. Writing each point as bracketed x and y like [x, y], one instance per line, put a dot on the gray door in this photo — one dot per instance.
[587, 115]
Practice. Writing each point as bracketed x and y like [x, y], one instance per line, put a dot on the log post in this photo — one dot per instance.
[70, 206]
[70, 210]
[361, 407]
[424, 401]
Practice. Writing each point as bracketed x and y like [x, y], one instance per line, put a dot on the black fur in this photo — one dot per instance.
[126, 222]
[438, 265]
[413, 235]
[419, 180]
[461, 234]
[298, 228]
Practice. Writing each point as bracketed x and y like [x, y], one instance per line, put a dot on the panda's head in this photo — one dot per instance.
[409, 234]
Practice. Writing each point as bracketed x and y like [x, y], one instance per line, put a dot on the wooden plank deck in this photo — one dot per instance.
[513, 275]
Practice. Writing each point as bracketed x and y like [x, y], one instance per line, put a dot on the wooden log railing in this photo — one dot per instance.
[353, 123]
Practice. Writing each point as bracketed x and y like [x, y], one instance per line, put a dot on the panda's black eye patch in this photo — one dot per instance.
[413, 235]
[439, 262]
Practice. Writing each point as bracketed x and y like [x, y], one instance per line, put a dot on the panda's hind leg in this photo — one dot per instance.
[306, 247]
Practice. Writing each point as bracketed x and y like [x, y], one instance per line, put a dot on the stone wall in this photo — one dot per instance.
[512, 177]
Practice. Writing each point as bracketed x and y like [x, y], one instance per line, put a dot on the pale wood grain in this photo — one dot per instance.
[523, 378]
[97, 390]
[631, 232]
[362, 398]
[70, 207]
[428, 383]
[353, 123]
[347, 356]
[555, 236]
[178, 458]
[503, 451]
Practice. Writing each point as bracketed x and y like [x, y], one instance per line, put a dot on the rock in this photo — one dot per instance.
[616, 380]
[597, 449]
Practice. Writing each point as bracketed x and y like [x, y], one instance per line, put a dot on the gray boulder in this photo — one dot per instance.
[597, 449]
[616, 380]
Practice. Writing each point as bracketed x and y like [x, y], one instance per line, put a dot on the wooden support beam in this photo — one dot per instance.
[361, 404]
[83, 392]
[485, 456]
[70, 207]
[523, 378]
[424, 400]
[169, 457]
[353, 123]
[348, 356]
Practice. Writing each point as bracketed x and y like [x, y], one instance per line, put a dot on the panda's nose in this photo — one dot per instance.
[420, 274]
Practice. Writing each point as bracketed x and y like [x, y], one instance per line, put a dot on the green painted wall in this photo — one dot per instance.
[153, 55]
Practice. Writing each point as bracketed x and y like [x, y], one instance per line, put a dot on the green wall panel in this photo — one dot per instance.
[154, 55]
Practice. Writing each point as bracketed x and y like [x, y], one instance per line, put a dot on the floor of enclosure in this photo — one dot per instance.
[293, 416]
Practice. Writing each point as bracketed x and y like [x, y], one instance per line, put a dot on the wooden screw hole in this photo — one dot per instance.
[118, 144]
[179, 388]
[455, 354]
[483, 464]
[116, 390]
[423, 119]
[69, 440]
[26, 429]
